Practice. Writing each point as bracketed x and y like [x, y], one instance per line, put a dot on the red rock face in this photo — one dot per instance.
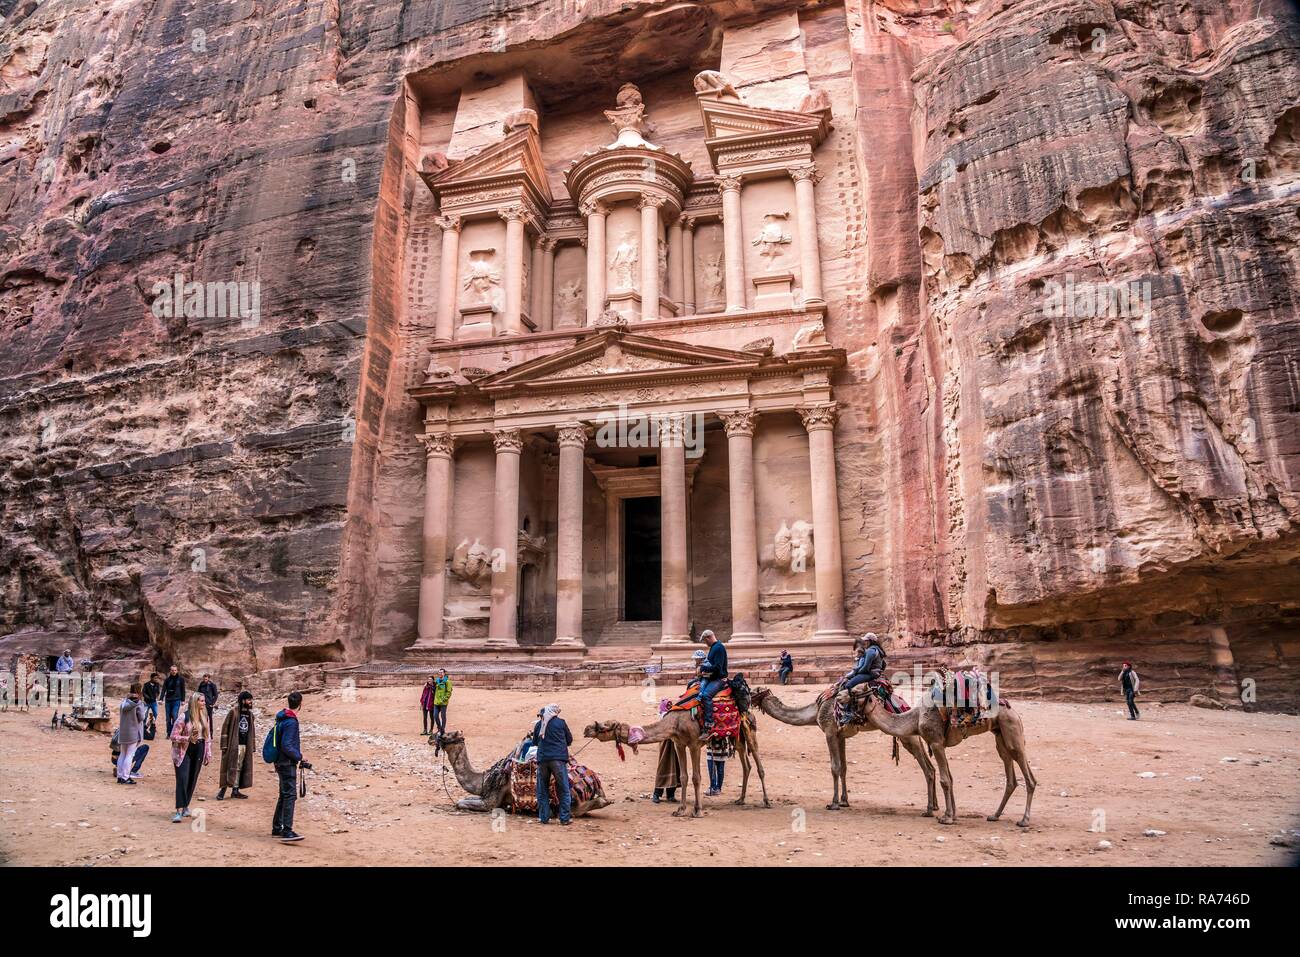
[1019, 471]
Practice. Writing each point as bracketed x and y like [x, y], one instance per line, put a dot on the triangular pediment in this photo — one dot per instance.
[617, 354]
[519, 153]
[728, 119]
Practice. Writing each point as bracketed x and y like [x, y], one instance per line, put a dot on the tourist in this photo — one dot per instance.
[191, 738]
[713, 675]
[237, 733]
[718, 750]
[786, 668]
[130, 733]
[208, 688]
[870, 664]
[441, 697]
[288, 759]
[152, 692]
[173, 696]
[1129, 684]
[62, 667]
[426, 706]
[668, 773]
[141, 752]
[552, 739]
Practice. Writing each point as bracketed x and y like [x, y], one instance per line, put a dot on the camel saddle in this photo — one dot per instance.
[726, 716]
[584, 784]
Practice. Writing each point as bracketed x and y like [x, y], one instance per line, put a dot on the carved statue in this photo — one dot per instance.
[663, 265]
[811, 336]
[482, 279]
[630, 112]
[711, 81]
[469, 562]
[624, 263]
[794, 546]
[771, 237]
[711, 274]
[570, 301]
[520, 119]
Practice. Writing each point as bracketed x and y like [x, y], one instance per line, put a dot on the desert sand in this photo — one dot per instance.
[1224, 792]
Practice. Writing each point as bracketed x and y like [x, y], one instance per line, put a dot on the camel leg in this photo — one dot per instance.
[686, 783]
[742, 751]
[1010, 770]
[471, 804]
[695, 760]
[945, 779]
[844, 770]
[836, 770]
[758, 764]
[916, 748]
[1016, 744]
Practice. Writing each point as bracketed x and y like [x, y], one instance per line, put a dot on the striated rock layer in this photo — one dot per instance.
[1044, 489]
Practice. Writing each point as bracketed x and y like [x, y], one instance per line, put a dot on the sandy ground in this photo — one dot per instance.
[1225, 785]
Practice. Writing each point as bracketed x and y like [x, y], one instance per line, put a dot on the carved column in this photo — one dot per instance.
[448, 279]
[675, 612]
[505, 538]
[568, 559]
[733, 238]
[745, 624]
[514, 271]
[675, 264]
[649, 207]
[535, 282]
[819, 420]
[438, 474]
[547, 319]
[688, 266]
[595, 213]
[810, 263]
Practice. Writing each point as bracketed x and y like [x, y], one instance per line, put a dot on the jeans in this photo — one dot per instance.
[785, 675]
[141, 752]
[440, 716]
[715, 774]
[288, 774]
[187, 774]
[560, 771]
[708, 688]
[856, 680]
[153, 708]
[173, 710]
[1133, 711]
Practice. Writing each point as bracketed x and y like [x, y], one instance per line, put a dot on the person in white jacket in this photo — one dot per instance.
[1129, 684]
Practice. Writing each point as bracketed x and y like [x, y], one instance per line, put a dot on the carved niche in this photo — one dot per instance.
[794, 546]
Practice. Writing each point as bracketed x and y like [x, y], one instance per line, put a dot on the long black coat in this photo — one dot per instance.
[234, 775]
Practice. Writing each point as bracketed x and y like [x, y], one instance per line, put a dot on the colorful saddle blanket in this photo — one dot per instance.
[726, 716]
[584, 784]
[855, 711]
[967, 695]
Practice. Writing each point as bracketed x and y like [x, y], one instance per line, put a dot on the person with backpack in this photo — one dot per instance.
[173, 696]
[1129, 684]
[191, 738]
[284, 749]
[238, 734]
[130, 733]
[441, 698]
[713, 675]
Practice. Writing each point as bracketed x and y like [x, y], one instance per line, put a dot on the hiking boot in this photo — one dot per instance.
[239, 795]
[290, 837]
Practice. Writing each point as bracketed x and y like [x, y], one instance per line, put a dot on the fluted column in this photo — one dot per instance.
[745, 624]
[505, 539]
[810, 262]
[438, 474]
[733, 239]
[448, 279]
[514, 271]
[649, 207]
[688, 266]
[675, 612]
[819, 420]
[675, 282]
[547, 320]
[535, 282]
[568, 559]
[595, 213]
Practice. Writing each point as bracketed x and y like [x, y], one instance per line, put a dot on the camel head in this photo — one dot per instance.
[606, 731]
[446, 741]
[759, 695]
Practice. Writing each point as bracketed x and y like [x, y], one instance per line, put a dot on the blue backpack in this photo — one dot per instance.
[271, 746]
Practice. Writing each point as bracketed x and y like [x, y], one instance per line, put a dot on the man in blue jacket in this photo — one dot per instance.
[288, 760]
[713, 675]
[551, 737]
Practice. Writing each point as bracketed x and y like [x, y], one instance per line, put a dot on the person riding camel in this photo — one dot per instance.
[869, 666]
[713, 675]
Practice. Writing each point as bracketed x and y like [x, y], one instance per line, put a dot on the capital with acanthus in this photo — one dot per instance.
[593, 207]
[512, 213]
[572, 434]
[740, 422]
[671, 426]
[438, 444]
[806, 172]
[651, 200]
[446, 223]
[818, 416]
[728, 184]
[507, 440]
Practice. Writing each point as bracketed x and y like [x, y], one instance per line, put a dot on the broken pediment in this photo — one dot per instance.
[743, 138]
[516, 160]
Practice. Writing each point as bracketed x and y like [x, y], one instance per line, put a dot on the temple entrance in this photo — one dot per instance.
[641, 571]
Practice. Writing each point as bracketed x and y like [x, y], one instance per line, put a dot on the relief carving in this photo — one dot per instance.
[483, 279]
[570, 302]
[794, 546]
[711, 81]
[772, 238]
[624, 263]
[712, 277]
[469, 562]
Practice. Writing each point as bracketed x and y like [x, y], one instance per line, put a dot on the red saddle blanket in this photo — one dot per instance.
[584, 784]
[726, 716]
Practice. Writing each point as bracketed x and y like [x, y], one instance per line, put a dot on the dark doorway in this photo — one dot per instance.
[641, 595]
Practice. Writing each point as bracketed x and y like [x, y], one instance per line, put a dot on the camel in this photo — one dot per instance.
[822, 714]
[491, 788]
[683, 730]
[930, 721]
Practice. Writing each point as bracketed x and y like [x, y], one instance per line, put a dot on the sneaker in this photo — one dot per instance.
[128, 781]
[136, 777]
[290, 837]
[276, 831]
[176, 818]
[239, 796]
[221, 795]
[121, 780]
[185, 813]
[565, 823]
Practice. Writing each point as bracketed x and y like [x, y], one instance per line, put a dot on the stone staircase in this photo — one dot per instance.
[629, 634]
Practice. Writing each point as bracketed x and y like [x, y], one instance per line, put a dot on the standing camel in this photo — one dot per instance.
[490, 789]
[930, 721]
[681, 728]
[822, 713]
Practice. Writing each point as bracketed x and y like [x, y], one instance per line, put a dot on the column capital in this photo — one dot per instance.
[593, 207]
[818, 416]
[507, 440]
[670, 425]
[572, 434]
[438, 444]
[513, 213]
[728, 184]
[806, 171]
[452, 223]
[649, 200]
[687, 222]
[739, 423]
[548, 244]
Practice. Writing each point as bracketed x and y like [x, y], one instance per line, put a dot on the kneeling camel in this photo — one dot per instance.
[490, 789]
